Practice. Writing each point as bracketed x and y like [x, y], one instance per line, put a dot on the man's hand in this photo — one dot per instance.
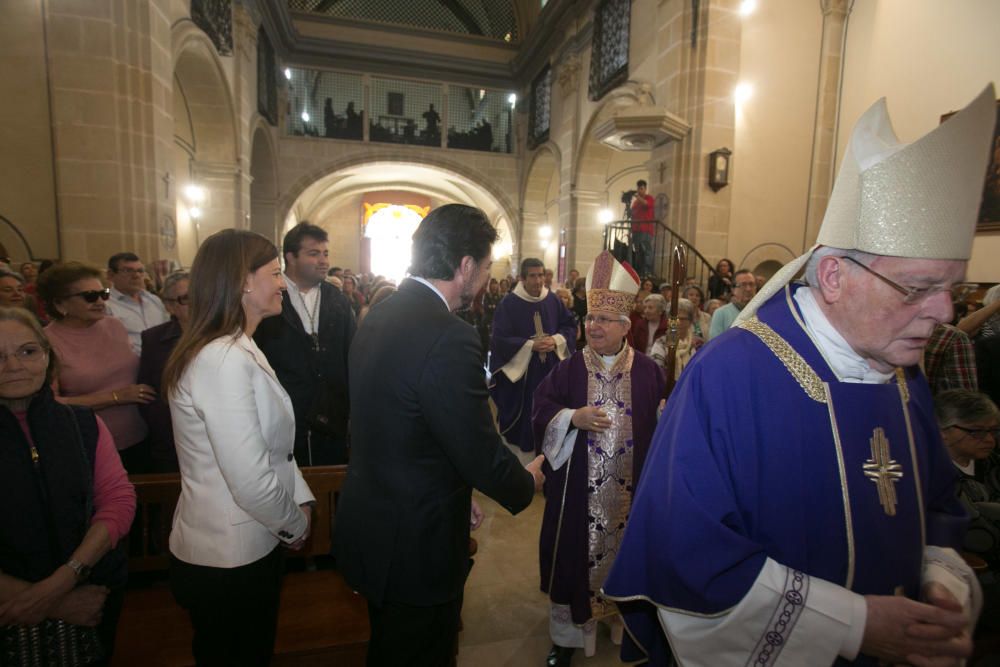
[543, 344]
[535, 468]
[900, 630]
[591, 418]
[477, 516]
[82, 606]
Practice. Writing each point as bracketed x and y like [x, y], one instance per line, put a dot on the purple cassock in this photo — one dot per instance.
[513, 326]
[763, 453]
[587, 500]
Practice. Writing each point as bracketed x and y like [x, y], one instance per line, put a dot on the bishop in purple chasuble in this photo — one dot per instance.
[588, 498]
[763, 455]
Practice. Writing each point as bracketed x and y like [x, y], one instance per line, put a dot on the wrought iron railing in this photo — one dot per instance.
[618, 239]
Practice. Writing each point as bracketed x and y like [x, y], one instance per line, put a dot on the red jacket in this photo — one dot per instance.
[638, 337]
[643, 212]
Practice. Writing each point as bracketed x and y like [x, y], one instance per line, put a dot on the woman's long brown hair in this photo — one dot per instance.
[218, 276]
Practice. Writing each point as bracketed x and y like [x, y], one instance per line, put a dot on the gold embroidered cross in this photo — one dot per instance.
[883, 471]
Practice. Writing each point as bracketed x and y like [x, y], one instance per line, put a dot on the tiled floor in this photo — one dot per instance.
[505, 614]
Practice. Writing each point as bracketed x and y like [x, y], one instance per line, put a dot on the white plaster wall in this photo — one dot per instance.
[769, 178]
[926, 58]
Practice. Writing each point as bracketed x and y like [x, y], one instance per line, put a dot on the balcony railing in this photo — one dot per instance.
[618, 239]
[361, 107]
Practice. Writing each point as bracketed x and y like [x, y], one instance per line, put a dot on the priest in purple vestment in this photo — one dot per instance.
[811, 517]
[532, 332]
[594, 415]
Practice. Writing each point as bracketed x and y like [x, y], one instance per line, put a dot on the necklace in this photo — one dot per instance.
[313, 333]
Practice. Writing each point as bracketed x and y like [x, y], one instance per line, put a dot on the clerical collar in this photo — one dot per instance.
[610, 359]
[523, 293]
[423, 281]
[847, 364]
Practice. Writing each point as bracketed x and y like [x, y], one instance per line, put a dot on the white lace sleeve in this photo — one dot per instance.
[944, 566]
[786, 619]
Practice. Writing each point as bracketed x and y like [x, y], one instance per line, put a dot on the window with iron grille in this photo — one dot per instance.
[405, 112]
[479, 119]
[267, 82]
[215, 17]
[539, 113]
[609, 50]
[325, 104]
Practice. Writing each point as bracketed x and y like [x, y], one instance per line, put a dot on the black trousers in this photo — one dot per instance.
[407, 636]
[234, 611]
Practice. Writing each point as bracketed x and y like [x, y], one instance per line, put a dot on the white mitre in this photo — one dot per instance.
[917, 200]
[611, 285]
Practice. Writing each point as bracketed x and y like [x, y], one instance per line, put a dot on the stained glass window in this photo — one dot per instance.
[609, 51]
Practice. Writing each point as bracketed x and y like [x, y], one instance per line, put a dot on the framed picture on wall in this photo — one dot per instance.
[395, 104]
[989, 210]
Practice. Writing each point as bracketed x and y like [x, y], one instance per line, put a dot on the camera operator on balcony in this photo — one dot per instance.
[643, 209]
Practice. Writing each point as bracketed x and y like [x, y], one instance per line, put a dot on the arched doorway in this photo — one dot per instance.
[205, 149]
[336, 201]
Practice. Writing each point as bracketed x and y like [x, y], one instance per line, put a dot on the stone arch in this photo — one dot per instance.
[206, 139]
[391, 157]
[13, 243]
[264, 180]
[540, 205]
[331, 197]
[599, 170]
[766, 258]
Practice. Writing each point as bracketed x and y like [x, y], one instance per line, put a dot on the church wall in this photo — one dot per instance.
[769, 175]
[25, 133]
[926, 58]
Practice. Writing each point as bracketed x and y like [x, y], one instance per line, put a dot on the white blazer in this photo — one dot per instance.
[235, 431]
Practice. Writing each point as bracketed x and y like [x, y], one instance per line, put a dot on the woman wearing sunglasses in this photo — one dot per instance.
[97, 367]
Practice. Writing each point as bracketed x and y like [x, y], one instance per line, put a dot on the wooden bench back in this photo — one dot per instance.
[157, 499]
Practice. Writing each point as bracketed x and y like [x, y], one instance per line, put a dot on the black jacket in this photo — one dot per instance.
[422, 438]
[316, 381]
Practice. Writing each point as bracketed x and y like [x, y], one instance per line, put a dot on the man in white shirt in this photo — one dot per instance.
[808, 517]
[137, 309]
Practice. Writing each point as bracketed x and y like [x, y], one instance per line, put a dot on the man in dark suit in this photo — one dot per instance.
[423, 437]
[307, 347]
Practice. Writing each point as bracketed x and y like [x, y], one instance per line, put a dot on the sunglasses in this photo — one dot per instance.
[91, 296]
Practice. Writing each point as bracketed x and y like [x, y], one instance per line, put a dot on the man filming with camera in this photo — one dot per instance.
[643, 227]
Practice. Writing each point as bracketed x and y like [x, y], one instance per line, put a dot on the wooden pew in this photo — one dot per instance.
[321, 620]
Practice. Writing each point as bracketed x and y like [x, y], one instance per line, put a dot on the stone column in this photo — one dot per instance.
[564, 108]
[831, 65]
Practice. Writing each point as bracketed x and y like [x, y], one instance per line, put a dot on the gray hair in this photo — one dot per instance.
[992, 294]
[170, 282]
[961, 406]
[10, 273]
[657, 299]
[812, 266]
[685, 307]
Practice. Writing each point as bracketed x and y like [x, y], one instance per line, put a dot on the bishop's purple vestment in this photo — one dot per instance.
[763, 453]
[587, 500]
[513, 326]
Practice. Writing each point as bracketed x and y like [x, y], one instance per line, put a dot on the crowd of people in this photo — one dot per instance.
[849, 512]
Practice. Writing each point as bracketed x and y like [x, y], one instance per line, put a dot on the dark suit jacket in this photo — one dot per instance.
[157, 344]
[422, 438]
[988, 367]
[314, 380]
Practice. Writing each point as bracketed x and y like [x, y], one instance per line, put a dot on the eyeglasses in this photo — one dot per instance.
[27, 355]
[91, 296]
[601, 319]
[911, 295]
[182, 300]
[981, 433]
[746, 285]
[131, 272]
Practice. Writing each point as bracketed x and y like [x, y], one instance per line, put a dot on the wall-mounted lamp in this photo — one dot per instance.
[718, 168]
[544, 232]
[605, 216]
[195, 194]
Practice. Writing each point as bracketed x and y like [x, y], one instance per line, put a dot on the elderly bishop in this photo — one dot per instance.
[811, 518]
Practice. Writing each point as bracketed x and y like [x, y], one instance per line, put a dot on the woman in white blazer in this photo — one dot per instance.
[242, 496]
